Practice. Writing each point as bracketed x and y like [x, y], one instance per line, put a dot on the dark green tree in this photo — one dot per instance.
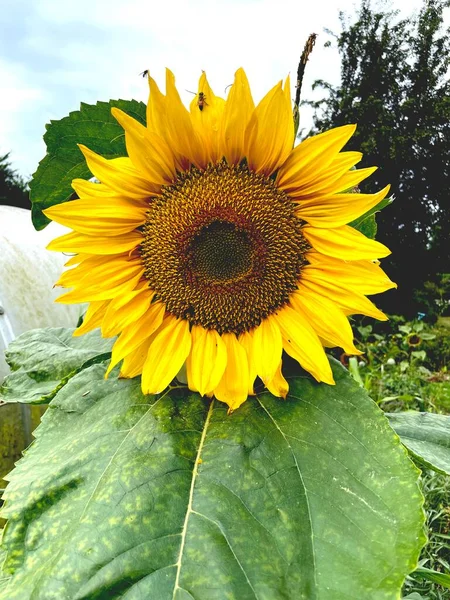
[395, 85]
[13, 189]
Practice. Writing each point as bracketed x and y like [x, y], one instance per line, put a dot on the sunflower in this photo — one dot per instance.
[216, 245]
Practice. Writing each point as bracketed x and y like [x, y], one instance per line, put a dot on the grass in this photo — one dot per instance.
[436, 554]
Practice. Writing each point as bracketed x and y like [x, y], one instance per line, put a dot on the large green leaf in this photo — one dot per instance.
[93, 126]
[130, 496]
[427, 437]
[43, 359]
[366, 223]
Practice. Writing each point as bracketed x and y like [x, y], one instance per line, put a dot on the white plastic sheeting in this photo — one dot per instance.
[27, 274]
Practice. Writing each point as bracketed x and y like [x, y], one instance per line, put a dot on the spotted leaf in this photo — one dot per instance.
[42, 360]
[168, 497]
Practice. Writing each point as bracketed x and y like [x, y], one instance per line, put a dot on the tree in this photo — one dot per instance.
[13, 189]
[395, 86]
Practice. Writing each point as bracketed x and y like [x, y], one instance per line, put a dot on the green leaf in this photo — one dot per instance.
[42, 359]
[366, 223]
[427, 336]
[167, 497]
[442, 579]
[405, 328]
[3, 580]
[427, 437]
[93, 126]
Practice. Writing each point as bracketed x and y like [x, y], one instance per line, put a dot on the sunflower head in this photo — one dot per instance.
[217, 245]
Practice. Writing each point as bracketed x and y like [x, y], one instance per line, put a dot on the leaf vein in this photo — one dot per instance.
[314, 566]
[195, 512]
[191, 496]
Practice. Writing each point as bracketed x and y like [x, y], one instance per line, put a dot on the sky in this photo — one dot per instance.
[54, 54]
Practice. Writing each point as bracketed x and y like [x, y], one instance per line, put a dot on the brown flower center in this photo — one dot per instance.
[219, 253]
[223, 248]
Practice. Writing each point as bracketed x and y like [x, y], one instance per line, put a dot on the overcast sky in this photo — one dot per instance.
[56, 54]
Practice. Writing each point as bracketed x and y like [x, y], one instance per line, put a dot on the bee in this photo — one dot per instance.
[201, 102]
[144, 73]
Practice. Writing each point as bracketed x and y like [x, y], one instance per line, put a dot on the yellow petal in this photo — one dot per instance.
[287, 92]
[93, 317]
[288, 97]
[166, 356]
[125, 310]
[206, 361]
[325, 180]
[344, 242]
[237, 112]
[181, 133]
[84, 268]
[148, 151]
[338, 209]
[333, 181]
[137, 333]
[350, 301]
[78, 242]
[134, 362]
[103, 216]
[327, 320]
[349, 180]
[76, 259]
[119, 174]
[233, 387]
[278, 386]
[362, 276]
[105, 281]
[267, 348]
[156, 110]
[301, 342]
[94, 189]
[269, 136]
[159, 122]
[206, 115]
[246, 341]
[312, 157]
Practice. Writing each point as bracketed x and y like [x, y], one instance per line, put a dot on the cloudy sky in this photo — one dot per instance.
[54, 55]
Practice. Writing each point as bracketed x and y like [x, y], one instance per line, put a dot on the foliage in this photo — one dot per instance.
[50, 363]
[13, 189]
[434, 297]
[404, 367]
[436, 554]
[427, 437]
[438, 349]
[395, 86]
[167, 496]
[93, 126]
